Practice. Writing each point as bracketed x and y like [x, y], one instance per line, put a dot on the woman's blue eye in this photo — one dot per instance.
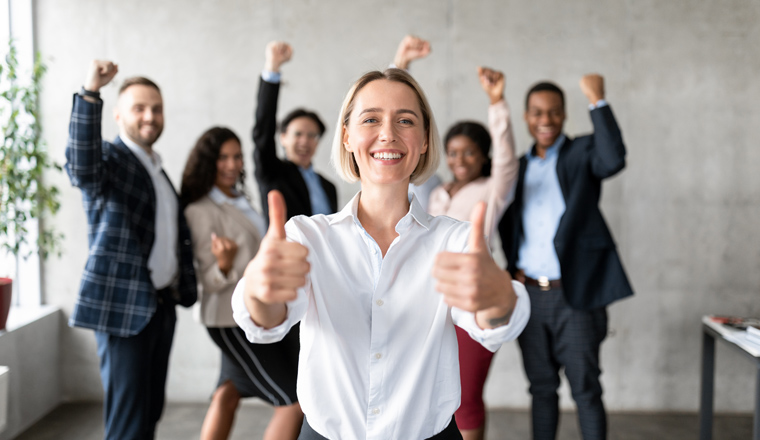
[370, 120]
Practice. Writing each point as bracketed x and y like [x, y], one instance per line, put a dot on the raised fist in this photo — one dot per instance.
[592, 85]
[411, 48]
[99, 74]
[492, 82]
[277, 54]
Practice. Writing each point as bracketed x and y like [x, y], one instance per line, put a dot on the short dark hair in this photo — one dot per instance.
[137, 80]
[301, 113]
[200, 170]
[545, 86]
[478, 134]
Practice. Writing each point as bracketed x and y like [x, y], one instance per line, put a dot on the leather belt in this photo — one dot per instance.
[544, 283]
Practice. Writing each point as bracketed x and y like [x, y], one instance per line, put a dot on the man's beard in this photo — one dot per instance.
[135, 135]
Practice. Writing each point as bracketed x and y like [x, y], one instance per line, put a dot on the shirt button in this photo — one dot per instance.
[379, 302]
[375, 411]
[378, 355]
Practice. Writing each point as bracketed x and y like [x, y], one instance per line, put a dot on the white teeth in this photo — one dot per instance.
[386, 156]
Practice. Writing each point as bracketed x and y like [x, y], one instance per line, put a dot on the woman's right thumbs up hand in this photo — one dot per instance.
[279, 269]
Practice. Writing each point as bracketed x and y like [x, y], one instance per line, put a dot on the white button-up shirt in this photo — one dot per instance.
[163, 262]
[379, 356]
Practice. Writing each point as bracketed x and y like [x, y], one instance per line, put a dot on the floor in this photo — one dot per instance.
[82, 421]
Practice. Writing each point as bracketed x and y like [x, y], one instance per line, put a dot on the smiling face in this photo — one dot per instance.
[385, 132]
[465, 158]
[300, 140]
[229, 165]
[545, 115]
[140, 114]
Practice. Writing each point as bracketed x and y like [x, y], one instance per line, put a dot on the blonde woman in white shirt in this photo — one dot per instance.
[226, 233]
[379, 286]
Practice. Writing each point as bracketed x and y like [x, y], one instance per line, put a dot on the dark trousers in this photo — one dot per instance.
[451, 432]
[559, 336]
[133, 371]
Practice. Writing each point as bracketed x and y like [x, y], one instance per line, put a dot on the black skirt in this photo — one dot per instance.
[266, 371]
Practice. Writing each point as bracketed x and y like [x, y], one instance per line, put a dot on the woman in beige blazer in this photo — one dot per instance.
[226, 233]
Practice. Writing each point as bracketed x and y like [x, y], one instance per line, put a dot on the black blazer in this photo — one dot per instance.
[273, 172]
[592, 274]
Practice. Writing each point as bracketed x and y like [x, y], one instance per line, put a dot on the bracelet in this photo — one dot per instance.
[90, 93]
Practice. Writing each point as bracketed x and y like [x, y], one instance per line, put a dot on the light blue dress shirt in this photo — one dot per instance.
[317, 195]
[543, 206]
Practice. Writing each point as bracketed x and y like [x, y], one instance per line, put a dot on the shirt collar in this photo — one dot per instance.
[151, 159]
[309, 169]
[220, 197]
[551, 151]
[352, 208]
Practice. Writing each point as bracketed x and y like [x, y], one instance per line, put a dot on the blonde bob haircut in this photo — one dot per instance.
[344, 161]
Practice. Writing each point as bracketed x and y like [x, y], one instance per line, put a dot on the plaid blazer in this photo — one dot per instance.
[116, 294]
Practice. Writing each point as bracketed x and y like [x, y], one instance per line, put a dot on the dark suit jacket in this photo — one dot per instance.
[271, 171]
[592, 274]
[116, 294]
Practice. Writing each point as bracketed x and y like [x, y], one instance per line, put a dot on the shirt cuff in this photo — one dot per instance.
[600, 103]
[220, 278]
[271, 77]
[492, 338]
[255, 333]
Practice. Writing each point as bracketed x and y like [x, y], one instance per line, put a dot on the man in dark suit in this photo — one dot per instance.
[140, 262]
[305, 191]
[557, 243]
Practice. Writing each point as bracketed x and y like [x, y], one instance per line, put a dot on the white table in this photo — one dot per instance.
[734, 338]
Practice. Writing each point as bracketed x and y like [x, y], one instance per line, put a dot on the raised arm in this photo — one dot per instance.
[609, 151]
[84, 155]
[268, 165]
[409, 49]
[504, 164]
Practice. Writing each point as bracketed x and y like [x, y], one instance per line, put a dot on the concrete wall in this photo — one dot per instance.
[681, 77]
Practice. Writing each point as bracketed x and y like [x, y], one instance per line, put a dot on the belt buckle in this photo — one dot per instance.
[543, 283]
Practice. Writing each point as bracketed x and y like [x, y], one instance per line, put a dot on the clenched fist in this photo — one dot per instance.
[592, 85]
[100, 73]
[411, 48]
[492, 82]
[224, 250]
[277, 54]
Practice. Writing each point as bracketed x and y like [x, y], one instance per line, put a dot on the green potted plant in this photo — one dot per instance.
[23, 160]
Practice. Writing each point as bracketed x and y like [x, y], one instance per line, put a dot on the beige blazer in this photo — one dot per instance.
[215, 290]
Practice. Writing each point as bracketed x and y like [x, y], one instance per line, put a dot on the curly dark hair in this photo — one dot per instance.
[200, 170]
[478, 134]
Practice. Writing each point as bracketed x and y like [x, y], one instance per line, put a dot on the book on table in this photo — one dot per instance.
[744, 332]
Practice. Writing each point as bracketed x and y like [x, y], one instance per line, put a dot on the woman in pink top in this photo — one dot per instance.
[476, 178]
